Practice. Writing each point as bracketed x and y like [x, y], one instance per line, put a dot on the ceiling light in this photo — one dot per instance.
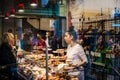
[6, 16]
[12, 12]
[21, 7]
[33, 3]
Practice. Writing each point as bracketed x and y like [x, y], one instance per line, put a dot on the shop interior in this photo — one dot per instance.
[96, 24]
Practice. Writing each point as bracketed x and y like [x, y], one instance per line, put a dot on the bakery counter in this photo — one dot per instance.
[33, 65]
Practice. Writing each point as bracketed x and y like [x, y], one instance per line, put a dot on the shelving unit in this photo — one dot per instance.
[105, 66]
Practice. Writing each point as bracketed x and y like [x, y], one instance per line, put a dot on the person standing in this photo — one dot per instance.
[75, 53]
[26, 43]
[7, 55]
[41, 42]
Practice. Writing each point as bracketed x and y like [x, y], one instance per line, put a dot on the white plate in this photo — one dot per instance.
[49, 49]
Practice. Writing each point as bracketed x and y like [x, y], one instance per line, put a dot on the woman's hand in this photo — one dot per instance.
[61, 51]
[68, 67]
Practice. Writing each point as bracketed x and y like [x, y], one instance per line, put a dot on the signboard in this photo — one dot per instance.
[116, 25]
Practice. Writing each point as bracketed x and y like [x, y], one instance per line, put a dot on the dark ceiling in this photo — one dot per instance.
[6, 5]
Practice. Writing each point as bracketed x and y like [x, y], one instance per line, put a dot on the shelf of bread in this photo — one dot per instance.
[36, 64]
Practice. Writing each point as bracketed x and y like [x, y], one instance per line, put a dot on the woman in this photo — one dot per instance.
[7, 55]
[75, 54]
[41, 42]
[26, 43]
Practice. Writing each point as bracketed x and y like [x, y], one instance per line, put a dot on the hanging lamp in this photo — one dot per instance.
[33, 3]
[12, 12]
[21, 7]
[6, 15]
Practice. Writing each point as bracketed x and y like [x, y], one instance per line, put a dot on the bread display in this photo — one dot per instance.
[36, 64]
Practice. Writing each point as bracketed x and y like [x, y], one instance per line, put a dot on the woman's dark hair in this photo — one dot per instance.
[73, 33]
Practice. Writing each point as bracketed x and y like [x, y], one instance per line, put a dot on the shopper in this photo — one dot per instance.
[26, 43]
[7, 56]
[75, 54]
[41, 42]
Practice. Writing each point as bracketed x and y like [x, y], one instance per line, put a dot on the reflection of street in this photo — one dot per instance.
[76, 10]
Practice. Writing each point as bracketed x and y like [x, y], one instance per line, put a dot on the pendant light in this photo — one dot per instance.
[33, 3]
[6, 16]
[12, 12]
[21, 7]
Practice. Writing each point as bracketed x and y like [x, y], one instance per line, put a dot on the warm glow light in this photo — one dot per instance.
[33, 3]
[21, 10]
[21, 7]
[6, 15]
[12, 12]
